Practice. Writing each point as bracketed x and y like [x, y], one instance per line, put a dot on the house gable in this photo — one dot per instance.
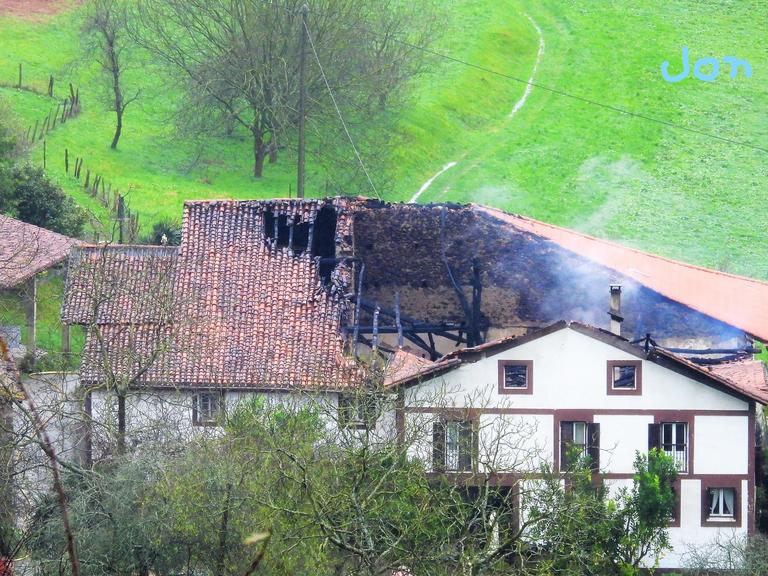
[571, 372]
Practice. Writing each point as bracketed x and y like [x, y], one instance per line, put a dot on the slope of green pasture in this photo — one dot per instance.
[558, 159]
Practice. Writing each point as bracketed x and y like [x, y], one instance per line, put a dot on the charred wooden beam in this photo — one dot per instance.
[357, 308]
[747, 350]
[398, 322]
[433, 354]
[375, 339]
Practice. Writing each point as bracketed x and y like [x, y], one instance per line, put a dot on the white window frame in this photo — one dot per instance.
[583, 440]
[527, 376]
[211, 415]
[681, 462]
[720, 505]
[617, 368]
[452, 445]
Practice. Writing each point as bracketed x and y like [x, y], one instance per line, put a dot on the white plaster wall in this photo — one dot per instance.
[691, 534]
[57, 401]
[162, 419]
[569, 371]
[621, 437]
[515, 443]
[721, 445]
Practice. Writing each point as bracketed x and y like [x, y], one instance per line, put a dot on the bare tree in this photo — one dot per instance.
[107, 42]
[242, 57]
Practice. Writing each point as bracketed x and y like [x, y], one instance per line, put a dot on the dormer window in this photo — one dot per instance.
[515, 377]
[624, 377]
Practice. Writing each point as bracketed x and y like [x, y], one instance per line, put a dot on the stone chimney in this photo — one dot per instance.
[615, 310]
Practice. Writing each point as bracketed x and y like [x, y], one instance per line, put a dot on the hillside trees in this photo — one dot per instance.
[240, 59]
[108, 43]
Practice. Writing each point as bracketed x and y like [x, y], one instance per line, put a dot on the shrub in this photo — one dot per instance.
[36, 200]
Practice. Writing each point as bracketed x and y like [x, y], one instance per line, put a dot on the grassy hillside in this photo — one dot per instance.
[557, 159]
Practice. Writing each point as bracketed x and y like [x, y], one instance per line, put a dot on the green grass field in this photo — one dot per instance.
[558, 159]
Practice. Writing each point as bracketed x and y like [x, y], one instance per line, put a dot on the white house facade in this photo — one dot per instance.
[529, 401]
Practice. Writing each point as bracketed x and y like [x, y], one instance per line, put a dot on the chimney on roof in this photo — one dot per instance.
[615, 310]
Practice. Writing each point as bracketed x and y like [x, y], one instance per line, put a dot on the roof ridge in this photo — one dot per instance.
[622, 246]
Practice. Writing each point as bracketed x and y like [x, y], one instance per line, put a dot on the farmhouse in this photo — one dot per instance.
[483, 317]
[573, 386]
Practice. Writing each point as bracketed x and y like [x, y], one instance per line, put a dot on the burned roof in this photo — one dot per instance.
[735, 300]
[26, 249]
[265, 294]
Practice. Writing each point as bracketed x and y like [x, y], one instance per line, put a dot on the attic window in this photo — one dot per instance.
[624, 377]
[515, 377]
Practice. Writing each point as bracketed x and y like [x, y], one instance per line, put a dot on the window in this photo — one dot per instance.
[624, 377]
[674, 441]
[722, 503]
[454, 445]
[515, 377]
[358, 411]
[578, 440]
[672, 438]
[207, 408]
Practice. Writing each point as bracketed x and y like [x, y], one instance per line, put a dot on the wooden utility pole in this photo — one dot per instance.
[302, 101]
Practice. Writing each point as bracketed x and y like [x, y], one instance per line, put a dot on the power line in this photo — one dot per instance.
[338, 111]
[576, 97]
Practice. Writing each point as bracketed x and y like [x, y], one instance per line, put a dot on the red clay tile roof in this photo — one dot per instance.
[749, 373]
[119, 284]
[245, 314]
[402, 365]
[735, 300]
[26, 250]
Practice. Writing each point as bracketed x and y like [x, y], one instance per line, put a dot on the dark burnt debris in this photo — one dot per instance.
[286, 292]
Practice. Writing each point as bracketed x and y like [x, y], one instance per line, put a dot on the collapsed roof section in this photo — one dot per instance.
[275, 294]
[530, 279]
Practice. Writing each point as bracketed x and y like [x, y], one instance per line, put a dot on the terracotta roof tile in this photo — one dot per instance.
[26, 250]
[749, 374]
[244, 312]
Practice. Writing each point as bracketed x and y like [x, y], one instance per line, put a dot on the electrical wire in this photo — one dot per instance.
[576, 97]
[338, 111]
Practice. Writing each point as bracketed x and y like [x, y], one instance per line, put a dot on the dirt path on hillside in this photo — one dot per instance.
[515, 109]
[34, 9]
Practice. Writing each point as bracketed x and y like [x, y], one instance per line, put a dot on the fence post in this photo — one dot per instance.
[50, 86]
[121, 218]
[66, 160]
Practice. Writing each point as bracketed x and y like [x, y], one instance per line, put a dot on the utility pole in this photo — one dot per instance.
[302, 101]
